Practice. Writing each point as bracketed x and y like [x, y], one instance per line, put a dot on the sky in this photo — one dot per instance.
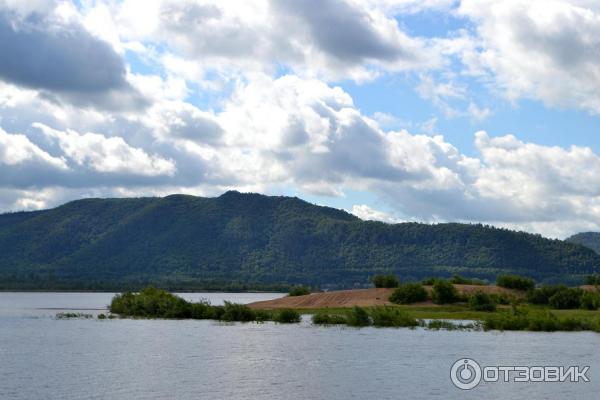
[479, 111]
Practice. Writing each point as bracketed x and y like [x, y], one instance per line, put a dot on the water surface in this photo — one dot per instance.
[45, 358]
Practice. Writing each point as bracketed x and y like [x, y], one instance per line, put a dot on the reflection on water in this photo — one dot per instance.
[45, 358]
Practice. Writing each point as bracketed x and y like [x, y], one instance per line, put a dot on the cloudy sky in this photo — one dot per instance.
[398, 110]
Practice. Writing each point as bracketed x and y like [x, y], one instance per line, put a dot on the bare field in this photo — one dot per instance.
[360, 297]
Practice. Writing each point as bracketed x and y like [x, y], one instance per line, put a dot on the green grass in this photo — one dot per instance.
[454, 311]
[459, 312]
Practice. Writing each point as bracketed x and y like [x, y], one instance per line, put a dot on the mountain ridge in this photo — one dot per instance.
[254, 240]
[590, 240]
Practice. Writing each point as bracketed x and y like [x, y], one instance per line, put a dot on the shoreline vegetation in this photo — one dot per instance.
[515, 303]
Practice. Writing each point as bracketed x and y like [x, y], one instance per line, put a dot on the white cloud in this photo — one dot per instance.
[478, 114]
[367, 213]
[440, 94]
[16, 149]
[543, 50]
[334, 39]
[108, 154]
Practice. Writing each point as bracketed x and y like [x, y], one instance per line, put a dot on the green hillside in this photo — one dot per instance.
[252, 240]
[587, 239]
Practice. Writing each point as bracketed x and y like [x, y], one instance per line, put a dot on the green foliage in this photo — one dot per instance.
[203, 310]
[444, 292]
[385, 281]
[566, 298]
[556, 296]
[237, 312]
[502, 298]
[358, 317]
[151, 303]
[329, 319]
[409, 293]
[542, 294]
[299, 291]
[515, 282]
[543, 320]
[590, 300]
[429, 281]
[480, 301]
[249, 241]
[459, 280]
[383, 316]
[592, 280]
[157, 303]
[287, 316]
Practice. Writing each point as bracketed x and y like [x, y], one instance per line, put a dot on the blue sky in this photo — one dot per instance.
[396, 110]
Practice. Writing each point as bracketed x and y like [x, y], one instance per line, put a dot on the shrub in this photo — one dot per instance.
[329, 319]
[459, 280]
[544, 321]
[409, 293]
[202, 310]
[537, 321]
[542, 294]
[101, 316]
[385, 281]
[567, 298]
[237, 312]
[150, 303]
[287, 316]
[502, 298]
[299, 291]
[428, 281]
[358, 317]
[444, 292]
[592, 280]
[590, 300]
[515, 282]
[391, 316]
[480, 301]
[505, 322]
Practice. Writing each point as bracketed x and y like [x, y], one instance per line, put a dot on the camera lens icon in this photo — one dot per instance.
[465, 374]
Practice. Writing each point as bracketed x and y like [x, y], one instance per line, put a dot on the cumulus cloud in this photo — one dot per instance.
[335, 39]
[107, 155]
[367, 213]
[24, 163]
[353, 35]
[55, 54]
[62, 58]
[18, 149]
[546, 50]
[311, 133]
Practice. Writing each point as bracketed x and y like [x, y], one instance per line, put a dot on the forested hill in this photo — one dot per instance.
[187, 242]
[587, 239]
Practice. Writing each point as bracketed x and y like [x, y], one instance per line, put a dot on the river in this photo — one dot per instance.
[42, 357]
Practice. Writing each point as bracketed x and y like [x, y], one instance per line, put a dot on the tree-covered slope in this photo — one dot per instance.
[587, 239]
[192, 242]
